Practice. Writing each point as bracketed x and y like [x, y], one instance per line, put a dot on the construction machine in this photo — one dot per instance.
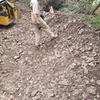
[8, 12]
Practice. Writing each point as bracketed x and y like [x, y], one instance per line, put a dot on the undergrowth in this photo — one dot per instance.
[95, 21]
[92, 20]
[26, 4]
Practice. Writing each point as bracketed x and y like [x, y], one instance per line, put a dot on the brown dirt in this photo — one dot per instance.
[66, 68]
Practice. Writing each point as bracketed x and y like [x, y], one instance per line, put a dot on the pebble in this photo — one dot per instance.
[69, 37]
[20, 51]
[84, 95]
[81, 31]
[98, 96]
[50, 93]
[99, 60]
[20, 94]
[90, 48]
[33, 94]
[16, 57]
[0, 61]
[91, 64]
[11, 98]
[92, 81]
[65, 82]
[85, 70]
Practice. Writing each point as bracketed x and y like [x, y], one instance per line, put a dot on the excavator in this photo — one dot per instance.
[8, 12]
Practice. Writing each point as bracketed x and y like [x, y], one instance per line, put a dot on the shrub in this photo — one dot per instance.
[56, 3]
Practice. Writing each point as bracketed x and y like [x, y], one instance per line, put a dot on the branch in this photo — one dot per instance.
[95, 9]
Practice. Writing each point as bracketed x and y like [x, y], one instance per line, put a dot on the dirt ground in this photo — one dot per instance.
[66, 68]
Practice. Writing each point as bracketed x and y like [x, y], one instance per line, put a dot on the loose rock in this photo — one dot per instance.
[91, 90]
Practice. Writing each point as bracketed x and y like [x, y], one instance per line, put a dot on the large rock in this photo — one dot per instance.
[91, 90]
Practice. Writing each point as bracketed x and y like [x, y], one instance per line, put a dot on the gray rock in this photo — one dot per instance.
[92, 81]
[50, 93]
[81, 31]
[91, 90]
[86, 81]
[99, 60]
[19, 94]
[76, 53]
[85, 70]
[91, 64]
[11, 98]
[16, 57]
[90, 59]
[0, 61]
[98, 82]
[83, 49]
[90, 48]
[33, 94]
[98, 96]
[20, 51]
[65, 82]
[84, 95]
[69, 37]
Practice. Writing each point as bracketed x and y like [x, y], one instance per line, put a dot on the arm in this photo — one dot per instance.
[35, 12]
[36, 18]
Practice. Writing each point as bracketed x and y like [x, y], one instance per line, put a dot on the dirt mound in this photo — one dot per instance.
[66, 68]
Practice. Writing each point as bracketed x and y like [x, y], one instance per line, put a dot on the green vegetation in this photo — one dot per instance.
[56, 3]
[95, 21]
[26, 3]
[63, 9]
[92, 20]
[80, 7]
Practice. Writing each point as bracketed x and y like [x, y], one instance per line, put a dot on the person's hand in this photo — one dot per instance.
[39, 26]
[41, 16]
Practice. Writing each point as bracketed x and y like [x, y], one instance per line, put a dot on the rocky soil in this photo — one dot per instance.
[66, 68]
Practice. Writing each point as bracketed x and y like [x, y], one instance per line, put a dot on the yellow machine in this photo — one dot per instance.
[8, 12]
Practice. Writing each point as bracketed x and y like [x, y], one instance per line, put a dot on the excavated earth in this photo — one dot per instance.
[66, 68]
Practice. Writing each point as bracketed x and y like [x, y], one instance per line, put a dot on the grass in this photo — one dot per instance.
[62, 9]
[26, 4]
[93, 20]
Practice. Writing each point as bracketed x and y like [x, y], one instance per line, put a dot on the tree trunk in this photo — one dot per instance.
[95, 9]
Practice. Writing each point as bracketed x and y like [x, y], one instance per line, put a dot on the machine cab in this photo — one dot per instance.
[8, 12]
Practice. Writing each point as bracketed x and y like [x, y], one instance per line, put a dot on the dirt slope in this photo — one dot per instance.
[67, 68]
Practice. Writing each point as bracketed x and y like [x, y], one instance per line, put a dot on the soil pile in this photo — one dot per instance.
[66, 68]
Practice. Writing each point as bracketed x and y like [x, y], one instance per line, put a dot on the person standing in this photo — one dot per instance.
[39, 24]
